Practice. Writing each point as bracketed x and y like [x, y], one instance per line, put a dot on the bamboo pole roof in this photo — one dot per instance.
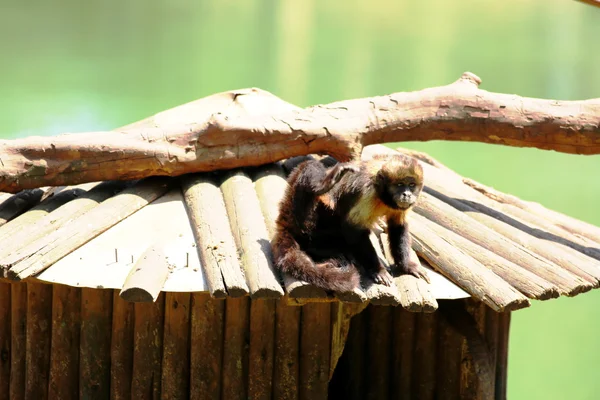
[210, 232]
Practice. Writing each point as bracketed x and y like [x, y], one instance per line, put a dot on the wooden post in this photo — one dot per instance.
[262, 337]
[176, 349]
[147, 276]
[121, 348]
[449, 360]
[502, 355]
[37, 342]
[147, 344]
[206, 347]
[235, 349]
[287, 340]
[315, 351]
[96, 329]
[18, 328]
[403, 332]
[66, 326]
[424, 357]
[4, 340]
[378, 355]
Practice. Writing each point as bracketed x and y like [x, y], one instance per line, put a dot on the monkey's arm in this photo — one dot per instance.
[332, 177]
[362, 250]
[400, 243]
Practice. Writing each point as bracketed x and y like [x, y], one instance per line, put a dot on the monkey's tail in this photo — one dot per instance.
[334, 274]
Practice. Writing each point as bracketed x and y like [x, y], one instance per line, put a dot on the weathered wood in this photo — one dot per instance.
[44, 252]
[447, 216]
[379, 343]
[464, 270]
[502, 356]
[576, 263]
[403, 332]
[96, 329]
[15, 205]
[64, 349]
[253, 127]
[5, 354]
[121, 348]
[287, 339]
[262, 337]
[176, 347]
[349, 378]
[38, 212]
[147, 276]
[57, 219]
[315, 350]
[574, 226]
[424, 357]
[235, 349]
[449, 360]
[216, 246]
[521, 279]
[37, 342]
[270, 185]
[18, 348]
[251, 236]
[491, 338]
[148, 343]
[206, 346]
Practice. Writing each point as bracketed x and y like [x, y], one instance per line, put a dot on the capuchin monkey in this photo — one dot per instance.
[326, 216]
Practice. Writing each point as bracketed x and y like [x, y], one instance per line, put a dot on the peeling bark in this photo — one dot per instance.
[252, 127]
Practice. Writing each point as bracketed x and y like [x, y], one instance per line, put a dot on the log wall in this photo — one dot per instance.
[395, 354]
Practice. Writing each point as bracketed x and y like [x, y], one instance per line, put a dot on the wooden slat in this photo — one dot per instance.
[38, 212]
[464, 270]
[96, 329]
[15, 205]
[66, 326]
[5, 325]
[474, 379]
[147, 344]
[563, 256]
[424, 358]
[235, 351]
[121, 348]
[502, 356]
[18, 328]
[403, 332]
[287, 339]
[341, 315]
[206, 346]
[216, 246]
[379, 342]
[37, 342]
[176, 347]
[262, 337]
[147, 276]
[315, 349]
[355, 359]
[447, 216]
[61, 242]
[521, 279]
[449, 357]
[491, 338]
[251, 236]
[56, 219]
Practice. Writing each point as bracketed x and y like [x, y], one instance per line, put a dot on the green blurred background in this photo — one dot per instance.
[70, 66]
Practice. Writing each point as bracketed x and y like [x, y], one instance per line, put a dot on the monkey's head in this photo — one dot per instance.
[399, 181]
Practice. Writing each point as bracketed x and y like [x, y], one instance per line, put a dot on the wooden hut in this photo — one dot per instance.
[165, 288]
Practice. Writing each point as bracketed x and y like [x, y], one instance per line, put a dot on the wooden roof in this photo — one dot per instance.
[211, 232]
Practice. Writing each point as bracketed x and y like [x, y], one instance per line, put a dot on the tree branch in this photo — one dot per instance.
[252, 127]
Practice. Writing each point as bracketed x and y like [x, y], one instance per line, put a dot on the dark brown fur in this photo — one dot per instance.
[327, 213]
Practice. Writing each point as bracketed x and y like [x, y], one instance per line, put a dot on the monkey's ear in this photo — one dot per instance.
[381, 178]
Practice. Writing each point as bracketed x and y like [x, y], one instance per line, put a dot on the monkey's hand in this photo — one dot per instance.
[382, 277]
[415, 270]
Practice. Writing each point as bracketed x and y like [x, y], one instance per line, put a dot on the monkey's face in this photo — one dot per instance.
[399, 184]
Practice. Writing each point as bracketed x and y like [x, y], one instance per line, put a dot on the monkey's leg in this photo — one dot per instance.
[362, 250]
[399, 238]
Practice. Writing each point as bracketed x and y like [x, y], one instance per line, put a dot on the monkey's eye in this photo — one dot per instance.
[412, 185]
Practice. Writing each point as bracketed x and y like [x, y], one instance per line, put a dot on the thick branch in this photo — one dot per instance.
[252, 127]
